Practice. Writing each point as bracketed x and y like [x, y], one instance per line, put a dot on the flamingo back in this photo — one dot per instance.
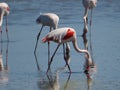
[60, 35]
[48, 19]
[89, 3]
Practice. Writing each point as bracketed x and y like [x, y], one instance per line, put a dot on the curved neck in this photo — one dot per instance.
[82, 51]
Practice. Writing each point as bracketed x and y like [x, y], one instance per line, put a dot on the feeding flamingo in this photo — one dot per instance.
[88, 5]
[4, 11]
[51, 20]
[47, 19]
[64, 35]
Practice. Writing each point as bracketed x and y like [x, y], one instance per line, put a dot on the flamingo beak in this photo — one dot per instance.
[37, 21]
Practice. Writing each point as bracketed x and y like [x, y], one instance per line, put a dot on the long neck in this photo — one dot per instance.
[1, 16]
[82, 51]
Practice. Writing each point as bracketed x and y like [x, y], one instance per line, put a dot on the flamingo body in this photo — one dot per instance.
[89, 3]
[48, 19]
[4, 11]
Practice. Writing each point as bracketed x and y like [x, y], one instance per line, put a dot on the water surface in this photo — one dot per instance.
[22, 73]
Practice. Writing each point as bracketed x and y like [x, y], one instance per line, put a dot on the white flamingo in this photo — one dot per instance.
[64, 35]
[4, 11]
[1, 63]
[88, 5]
[47, 19]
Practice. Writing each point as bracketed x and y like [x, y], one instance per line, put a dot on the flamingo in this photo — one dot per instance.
[1, 63]
[61, 36]
[4, 11]
[88, 5]
[47, 19]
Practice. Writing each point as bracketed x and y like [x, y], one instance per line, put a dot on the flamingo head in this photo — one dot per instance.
[38, 20]
[90, 68]
[5, 8]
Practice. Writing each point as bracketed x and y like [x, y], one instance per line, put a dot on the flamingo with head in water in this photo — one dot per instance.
[64, 35]
[4, 11]
[47, 19]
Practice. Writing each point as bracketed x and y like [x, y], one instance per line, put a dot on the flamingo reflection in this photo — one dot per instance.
[51, 81]
[4, 68]
[89, 77]
[3, 73]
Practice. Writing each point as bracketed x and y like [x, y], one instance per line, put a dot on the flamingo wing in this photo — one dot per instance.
[59, 35]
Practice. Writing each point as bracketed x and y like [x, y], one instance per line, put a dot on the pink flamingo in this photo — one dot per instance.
[47, 19]
[88, 5]
[64, 35]
[4, 11]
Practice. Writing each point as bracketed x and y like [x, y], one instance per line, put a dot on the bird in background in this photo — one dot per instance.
[1, 63]
[4, 11]
[64, 35]
[47, 19]
[88, 5]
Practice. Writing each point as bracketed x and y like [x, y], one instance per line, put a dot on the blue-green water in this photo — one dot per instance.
[22, 73]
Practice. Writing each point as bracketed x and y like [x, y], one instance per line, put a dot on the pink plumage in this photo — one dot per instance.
[60, 35]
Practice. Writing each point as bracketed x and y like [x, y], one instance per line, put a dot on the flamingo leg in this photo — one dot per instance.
[64, 52]
[38, 38]
[7, 28]
[85, 15]
[1, 33]
[38, 67]
[51, 59]
[66, 56]
[6, 65]
[49, 48]
[91, 17]
[91, 23]
[85, 30]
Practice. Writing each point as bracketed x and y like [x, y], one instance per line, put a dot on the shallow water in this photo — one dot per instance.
[18, 54]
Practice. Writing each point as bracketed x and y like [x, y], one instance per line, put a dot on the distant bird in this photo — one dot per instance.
[4, 11]
[88, 5]
[1, 63]
[47, 19]
[64, 35]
